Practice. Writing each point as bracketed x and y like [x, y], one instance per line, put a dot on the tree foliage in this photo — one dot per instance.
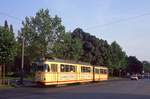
[68, 47]
[119, 57]
[99, 52]
[40, 32]
[7, 44]
[146, 66]
[134, 65]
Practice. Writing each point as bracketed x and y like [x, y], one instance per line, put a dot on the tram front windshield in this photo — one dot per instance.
[42, 67]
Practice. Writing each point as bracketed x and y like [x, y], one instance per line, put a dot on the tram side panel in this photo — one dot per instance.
[104, 74]
[96, 74]
[53, 75]
[86, 73]
[67, 74]
[100, 73]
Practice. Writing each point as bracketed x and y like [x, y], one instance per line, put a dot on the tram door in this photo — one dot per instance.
[54, 72]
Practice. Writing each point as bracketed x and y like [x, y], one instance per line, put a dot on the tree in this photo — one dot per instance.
[40, 32]
[119, 57]
[11, 28]
[134, 65]
[146, 66]
[6, 24]
[95, 51]
[7, 46]
[86, 44]
[67, 47]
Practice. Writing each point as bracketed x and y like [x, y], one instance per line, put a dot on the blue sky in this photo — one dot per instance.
[90, 15]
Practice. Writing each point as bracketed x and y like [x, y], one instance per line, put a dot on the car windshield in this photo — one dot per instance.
[134, 75]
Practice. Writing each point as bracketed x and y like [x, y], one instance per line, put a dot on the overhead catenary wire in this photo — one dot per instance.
[92, 27]
[11, 16]
[118, 21]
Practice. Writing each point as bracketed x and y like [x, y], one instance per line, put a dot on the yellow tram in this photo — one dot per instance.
[54, 72]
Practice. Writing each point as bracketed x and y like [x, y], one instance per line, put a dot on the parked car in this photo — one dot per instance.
[139, 76]
[134, 77]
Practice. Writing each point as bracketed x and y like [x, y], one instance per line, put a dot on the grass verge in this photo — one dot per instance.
[5, 86]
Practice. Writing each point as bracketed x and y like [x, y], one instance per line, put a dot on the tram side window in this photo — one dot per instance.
[67, 68]
[85, 69]
[62, 68]
[72, 68]
[88, 69]
[97, 71]
[82, 69]
[53, 67]
[103, 71]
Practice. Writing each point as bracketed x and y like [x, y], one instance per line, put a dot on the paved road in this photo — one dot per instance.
[104, 90]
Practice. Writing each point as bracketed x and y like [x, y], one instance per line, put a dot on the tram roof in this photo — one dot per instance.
[66, 61]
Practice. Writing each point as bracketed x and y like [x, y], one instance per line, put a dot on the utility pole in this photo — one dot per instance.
[1, 74]
[22, 61]
[3, 82]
